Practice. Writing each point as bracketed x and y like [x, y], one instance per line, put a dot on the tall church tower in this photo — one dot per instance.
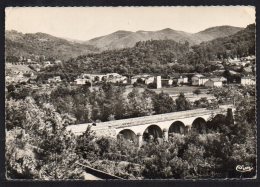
[158, 80]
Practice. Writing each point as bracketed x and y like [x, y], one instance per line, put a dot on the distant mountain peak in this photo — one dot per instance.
[123, 39]
[121, 31]
[221, 27]
[217, 32]
[167, 30]
[142, 31]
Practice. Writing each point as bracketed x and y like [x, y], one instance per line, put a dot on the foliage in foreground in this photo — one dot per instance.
[38, 146]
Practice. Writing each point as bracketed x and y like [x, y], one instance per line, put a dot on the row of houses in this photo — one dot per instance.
[117, 78]
[147, 79]
[175, 80]
[196, 80]
[32, 62]
[201, 80]
[109, 77]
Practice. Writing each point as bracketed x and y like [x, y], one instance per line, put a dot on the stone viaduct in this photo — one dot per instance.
[156, 126]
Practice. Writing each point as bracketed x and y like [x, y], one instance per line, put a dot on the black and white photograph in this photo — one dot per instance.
[130, 93]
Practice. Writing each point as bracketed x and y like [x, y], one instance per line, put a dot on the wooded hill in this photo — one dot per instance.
[238, 45]
[166, 56]
[19, 44]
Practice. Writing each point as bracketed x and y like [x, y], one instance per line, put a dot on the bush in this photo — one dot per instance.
[152, 85]
[197, 91]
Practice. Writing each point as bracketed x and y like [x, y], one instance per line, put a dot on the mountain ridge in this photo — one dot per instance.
[19, 44]
[129, 38]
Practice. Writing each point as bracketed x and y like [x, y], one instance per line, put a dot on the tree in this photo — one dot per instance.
[21, 161]
[47, 150]
[202, 103]
[140, 81]
[152, 85]
[138, 104]
[245, 121]
[197, 91]
[163, 103]
[182, 103]
[14, 113]
[229, 117]
[156, 164]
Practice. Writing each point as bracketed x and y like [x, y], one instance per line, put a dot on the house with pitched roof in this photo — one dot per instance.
[198, 80]
[214, 82]
[180, 79]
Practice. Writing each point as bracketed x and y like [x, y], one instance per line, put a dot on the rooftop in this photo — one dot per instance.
[198, 75]
[216, 79]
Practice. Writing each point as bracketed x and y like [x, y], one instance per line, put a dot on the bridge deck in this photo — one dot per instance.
[147, 119]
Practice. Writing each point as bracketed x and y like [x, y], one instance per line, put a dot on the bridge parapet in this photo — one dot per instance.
[167, 118]
[109, 128]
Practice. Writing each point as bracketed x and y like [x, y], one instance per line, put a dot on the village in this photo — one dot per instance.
[24, 73]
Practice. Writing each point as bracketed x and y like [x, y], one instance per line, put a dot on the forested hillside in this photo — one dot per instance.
[238, 45]
[146, 57]
[165, 57]
[18, 44]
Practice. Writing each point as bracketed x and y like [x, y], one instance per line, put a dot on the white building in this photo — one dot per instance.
[94, 77]
[110, 77]
[47, 63]
[158, 80]
[248, 81]
[199, 80]
[116, 78]
[167, 82]
[148, 79]
[214, 82]
[181, 79]
[58, 62]
[54, 79]
[80, 81]
[145, 77]
[223, 79]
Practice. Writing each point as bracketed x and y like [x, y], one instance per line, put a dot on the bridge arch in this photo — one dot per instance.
[152, 132]
[199, 125]
[128, 135]
[177, 127]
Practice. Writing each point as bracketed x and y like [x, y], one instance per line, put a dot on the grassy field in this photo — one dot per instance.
[177, 90]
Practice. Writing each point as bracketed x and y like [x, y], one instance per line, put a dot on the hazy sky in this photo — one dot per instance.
[84, 23]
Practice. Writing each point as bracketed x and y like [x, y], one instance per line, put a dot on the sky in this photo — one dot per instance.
[84, 23]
